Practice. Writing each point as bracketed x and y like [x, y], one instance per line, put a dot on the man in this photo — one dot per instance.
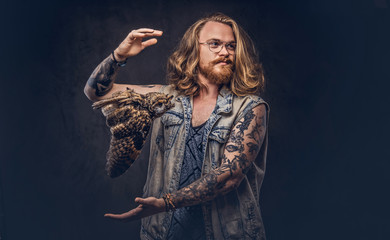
[207, 156]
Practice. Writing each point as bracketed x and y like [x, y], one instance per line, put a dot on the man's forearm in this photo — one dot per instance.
[217, 182]
[102, 78]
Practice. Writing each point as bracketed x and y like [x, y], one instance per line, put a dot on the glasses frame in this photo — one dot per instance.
[222, 44]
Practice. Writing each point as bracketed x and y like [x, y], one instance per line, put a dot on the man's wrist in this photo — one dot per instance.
[117, 57]
[169, 203]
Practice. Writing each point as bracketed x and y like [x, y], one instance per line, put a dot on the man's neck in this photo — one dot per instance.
[204, 103]
[208, 90]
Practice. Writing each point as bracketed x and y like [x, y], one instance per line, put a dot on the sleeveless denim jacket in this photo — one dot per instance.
[235, 215]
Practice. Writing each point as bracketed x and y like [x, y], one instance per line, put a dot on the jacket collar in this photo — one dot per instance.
[224, 100]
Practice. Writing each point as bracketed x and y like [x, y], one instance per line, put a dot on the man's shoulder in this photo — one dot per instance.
[247, 98]
[169, 89]
[251, 97]
[251, 100]
[244, 104]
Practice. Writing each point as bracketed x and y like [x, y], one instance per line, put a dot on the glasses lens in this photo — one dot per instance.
[231, 47]
[214, 46]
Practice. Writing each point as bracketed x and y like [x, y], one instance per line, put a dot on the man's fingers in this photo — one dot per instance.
[149, 42]
[145, 30]
[148, 31]
[142, 34]
[127, 216]
[142, 201]
[140, 31]
[147, 206]
[113, 216]
[119, 217]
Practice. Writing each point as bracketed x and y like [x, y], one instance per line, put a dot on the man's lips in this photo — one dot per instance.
[223, 62]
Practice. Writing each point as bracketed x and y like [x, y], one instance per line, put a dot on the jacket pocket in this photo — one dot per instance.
[220, 134]
[172, 122]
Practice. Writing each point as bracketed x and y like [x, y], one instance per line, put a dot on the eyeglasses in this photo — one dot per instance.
[216, 46]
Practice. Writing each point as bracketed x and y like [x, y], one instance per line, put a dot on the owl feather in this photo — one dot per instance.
[129, 115]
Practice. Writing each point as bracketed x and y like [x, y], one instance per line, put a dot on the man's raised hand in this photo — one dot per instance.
[133, 44]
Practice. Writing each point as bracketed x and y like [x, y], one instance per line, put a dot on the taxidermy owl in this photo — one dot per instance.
[129, 116]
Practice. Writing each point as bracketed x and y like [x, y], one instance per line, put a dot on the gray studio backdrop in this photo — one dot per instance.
[325, 63]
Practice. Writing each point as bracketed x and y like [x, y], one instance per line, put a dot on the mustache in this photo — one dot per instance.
[222, 59]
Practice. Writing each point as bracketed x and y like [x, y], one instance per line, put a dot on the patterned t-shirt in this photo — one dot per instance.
[187, 222]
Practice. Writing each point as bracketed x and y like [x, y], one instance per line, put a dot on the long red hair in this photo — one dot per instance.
[182, 67]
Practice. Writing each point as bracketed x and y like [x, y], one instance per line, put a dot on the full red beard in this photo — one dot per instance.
[221, 77]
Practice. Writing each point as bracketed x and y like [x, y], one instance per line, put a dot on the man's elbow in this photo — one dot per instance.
[231, 184]
[90, 93]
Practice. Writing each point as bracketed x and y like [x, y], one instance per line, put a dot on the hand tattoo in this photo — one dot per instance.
[102, 78]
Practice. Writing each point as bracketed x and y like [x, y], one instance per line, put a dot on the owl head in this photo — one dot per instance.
[158, 103]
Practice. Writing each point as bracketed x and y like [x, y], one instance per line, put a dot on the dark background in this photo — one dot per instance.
[327, 84]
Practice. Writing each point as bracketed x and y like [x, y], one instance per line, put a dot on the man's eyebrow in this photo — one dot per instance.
[213, 39]
[219, 40]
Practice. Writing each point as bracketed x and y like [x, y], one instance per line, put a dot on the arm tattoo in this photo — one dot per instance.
[102, 78]
[240, 152]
